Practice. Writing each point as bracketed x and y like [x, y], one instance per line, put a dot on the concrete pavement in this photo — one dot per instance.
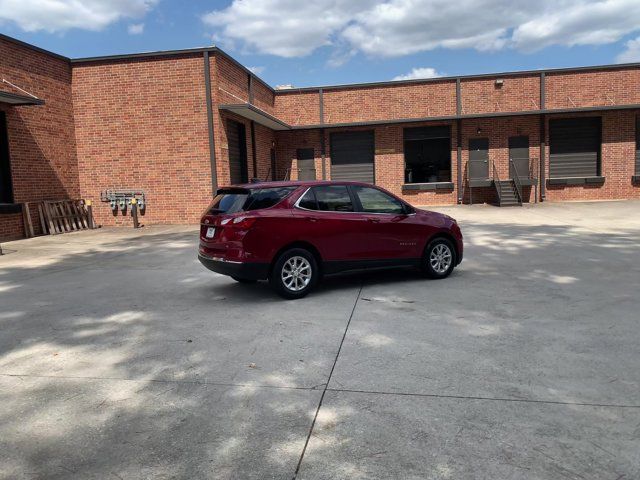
[121, 357]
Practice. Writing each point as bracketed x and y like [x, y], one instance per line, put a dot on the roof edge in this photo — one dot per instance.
[450, 78]
[33, 47]
[170, 53]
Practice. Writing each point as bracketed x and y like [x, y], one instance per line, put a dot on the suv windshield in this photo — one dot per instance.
[233, 200]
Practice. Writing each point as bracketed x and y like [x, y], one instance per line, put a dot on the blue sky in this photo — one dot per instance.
[342, 41]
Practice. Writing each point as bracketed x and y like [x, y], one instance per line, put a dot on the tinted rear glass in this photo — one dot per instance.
[243, 200]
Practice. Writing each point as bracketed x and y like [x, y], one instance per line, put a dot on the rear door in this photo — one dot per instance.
[327, 218]
[352, 156]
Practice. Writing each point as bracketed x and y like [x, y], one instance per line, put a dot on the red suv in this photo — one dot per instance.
[293, 233]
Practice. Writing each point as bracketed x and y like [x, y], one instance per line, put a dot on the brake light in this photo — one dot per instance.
[243, 223]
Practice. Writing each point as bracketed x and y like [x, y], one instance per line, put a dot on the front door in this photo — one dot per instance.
[478, 158]
[519, 156]
[306, 164]
[388, 234]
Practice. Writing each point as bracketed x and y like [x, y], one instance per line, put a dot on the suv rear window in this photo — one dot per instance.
[235, 200]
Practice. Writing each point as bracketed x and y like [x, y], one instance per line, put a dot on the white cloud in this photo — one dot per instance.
[257, 70]
[419, 72]
[135, 28]
[287, 28]
[61, 15]
[290, 28]
[631, 52]
[579, 23]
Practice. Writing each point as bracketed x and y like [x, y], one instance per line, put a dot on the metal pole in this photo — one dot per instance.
[134, 212]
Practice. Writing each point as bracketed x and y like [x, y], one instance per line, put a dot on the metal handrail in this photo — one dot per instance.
[516, 180]
[496, 180]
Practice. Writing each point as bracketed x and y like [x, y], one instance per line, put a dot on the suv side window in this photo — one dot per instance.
[373, 200]
[308, 201]
[333, 198]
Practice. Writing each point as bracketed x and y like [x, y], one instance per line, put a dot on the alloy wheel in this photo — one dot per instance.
[296, 273]
[440, 258]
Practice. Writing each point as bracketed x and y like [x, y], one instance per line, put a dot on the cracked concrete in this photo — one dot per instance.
[121, 357]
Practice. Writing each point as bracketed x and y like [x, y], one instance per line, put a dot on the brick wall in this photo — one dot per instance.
[514, 94]
[142, 123]
[593, 88]
[11, 226]
[415, 100]
[41, 137]
[298, 108]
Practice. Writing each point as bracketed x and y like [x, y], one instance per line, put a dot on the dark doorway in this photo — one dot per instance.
[273, 164]
[237, 141]
[352, 156]
[306, 164]
[478, 158]
[427, 154]
[6, 186]
[519, 156]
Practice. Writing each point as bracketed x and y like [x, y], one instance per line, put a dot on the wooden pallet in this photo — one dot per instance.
[64, 216]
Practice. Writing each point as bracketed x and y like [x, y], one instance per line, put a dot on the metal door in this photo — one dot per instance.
[306, 164]
[519, 156]
[478, 158]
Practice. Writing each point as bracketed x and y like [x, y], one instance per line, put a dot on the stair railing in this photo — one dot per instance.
[516, 180]
[496, 181]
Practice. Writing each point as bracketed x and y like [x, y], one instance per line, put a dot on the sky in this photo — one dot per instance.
[325, 42]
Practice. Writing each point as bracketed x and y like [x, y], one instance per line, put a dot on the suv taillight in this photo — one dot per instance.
[242, 222]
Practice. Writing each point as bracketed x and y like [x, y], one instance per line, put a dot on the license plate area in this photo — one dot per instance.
[211, 231]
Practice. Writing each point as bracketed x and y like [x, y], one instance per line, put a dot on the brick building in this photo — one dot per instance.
[179, 124]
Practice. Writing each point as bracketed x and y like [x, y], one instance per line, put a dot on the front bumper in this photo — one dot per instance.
[245, 270]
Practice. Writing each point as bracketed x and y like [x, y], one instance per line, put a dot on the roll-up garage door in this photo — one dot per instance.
[352, 156]
[575, 147]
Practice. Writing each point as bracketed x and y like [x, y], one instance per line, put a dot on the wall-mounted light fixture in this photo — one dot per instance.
[479, 131]
[499, 82]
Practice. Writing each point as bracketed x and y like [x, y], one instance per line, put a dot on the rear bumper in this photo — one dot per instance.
[246, 270]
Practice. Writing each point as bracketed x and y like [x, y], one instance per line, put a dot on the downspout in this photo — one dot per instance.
[542, 138]
[459, 138]
[212, 146]
[322, 145]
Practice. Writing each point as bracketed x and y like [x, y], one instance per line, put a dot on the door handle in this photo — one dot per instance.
[374, 220]
[312, 219]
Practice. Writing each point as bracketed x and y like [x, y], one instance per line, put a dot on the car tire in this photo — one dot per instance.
[244, 280]
[294, 273]
[439, 259]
